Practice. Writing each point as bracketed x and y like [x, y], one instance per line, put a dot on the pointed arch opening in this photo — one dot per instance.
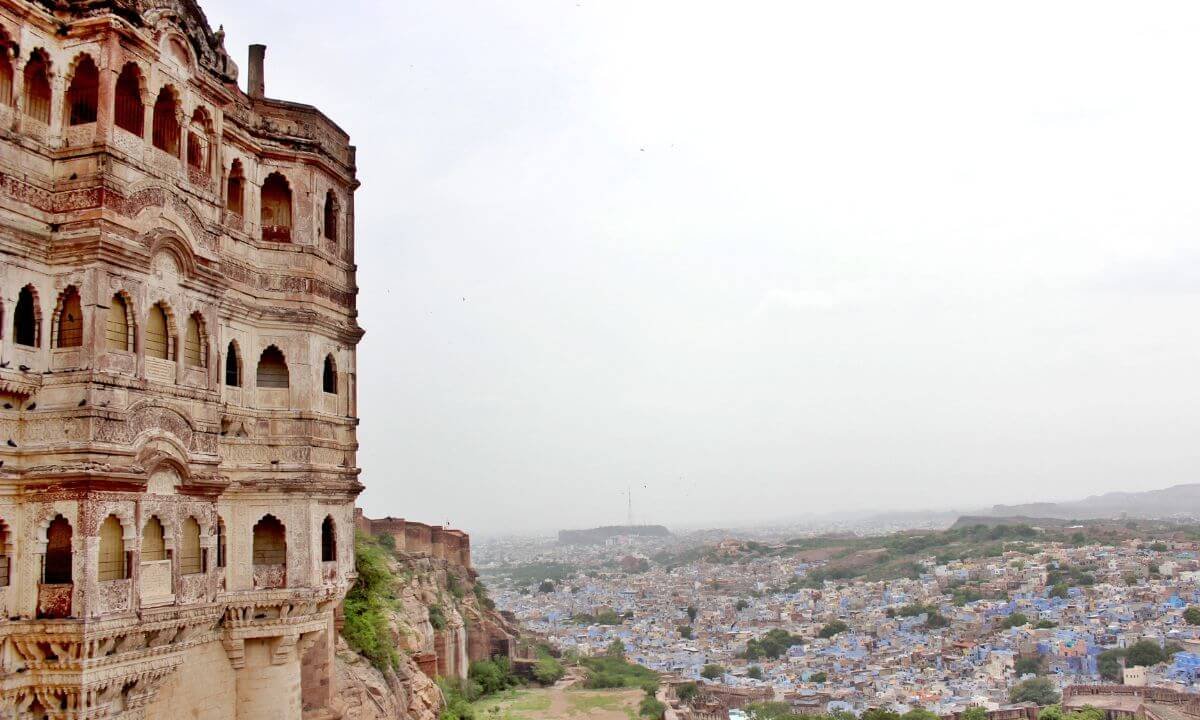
[6, 70]
[37, 87]
[191, 560]
[57, 564]
[159, 340]
[234, 189]
[276, 211]
[118, 324]
[272, 369]
[329, 379]
[269, 553]
[68, 319]
[27, 322]
[331, 216]
[328, 540]
[195, 342]
[128, 112]
[198, 140]
[154, 543]
[113, 565]
[83, 95]
[233, 365]
[165, 134]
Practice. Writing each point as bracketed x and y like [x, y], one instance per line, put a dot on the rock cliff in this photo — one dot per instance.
[411, 618]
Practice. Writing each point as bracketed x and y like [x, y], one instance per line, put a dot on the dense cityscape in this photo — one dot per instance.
[815, 622]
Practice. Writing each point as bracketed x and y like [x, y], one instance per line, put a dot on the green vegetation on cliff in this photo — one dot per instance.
[368, 602]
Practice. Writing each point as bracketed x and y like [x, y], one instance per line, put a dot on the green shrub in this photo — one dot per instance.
[492, 676]
[651, 708]
[437, 617]
[366, 627]
[616, 672]
[548, 671]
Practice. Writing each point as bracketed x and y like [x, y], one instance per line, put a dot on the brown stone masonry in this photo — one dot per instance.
[177, 374]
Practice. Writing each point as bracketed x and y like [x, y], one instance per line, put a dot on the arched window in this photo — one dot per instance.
[220, 542]
[195, 349]
[6, 71]
[276, 213]
[331, 216]
[233, 366]
[129, 114]
[37, 87]
[166, 122]
[270, 542]
[56, 566]
[329, 376]
[70, 320]
[197, 146]
[118, 324]
[272, 369]
[158, 334]
[233, 188]
[190, 560]
[25, 318]
[4, 559]
[113, 565]
[154, 545]
[328, 540]
[84, 94]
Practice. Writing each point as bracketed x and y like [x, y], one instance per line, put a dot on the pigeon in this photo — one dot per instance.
[8, 406]
[5, 363]
[23, 368]
[82, 403]
[31, 406]
[11, 443]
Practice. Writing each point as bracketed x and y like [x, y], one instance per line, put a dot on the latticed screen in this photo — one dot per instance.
[193, 347]
[129, 113]
[112, 550]
[190, 561]
[70, 321]
[37, 90]
[153, 546]
[116, 325]
[84, 94]
[157, 340]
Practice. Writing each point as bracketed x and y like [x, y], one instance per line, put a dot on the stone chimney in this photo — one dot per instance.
[256, 85]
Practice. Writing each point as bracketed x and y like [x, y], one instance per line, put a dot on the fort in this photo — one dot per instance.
[177, 373]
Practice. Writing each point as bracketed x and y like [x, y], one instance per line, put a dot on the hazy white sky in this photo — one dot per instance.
[758, 259]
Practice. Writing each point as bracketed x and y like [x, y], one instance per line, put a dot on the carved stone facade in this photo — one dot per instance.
[177, 373]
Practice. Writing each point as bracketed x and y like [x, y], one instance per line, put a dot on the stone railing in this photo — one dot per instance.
[1189, 702]
[435, 541]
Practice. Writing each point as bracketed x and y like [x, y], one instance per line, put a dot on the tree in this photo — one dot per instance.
[919, 714]
[755, 673]
[685, 631]
[616, 649]
[1145, 653]
[880, 714]
[1059, 590]
[1192, 615]
[741, 605]
[974, 713]
[651, 708]
[692, 612]
[687, 691]
[772, 645]
[548, 671]
[712, 671]
[1028, 666]
[1014, 620]
[1108, 663]
[1045, 624]
[832, 629]
[547, 586]
[818, 677]
[1040, 691]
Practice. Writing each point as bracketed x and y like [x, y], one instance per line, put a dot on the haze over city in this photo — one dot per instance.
[760, 261]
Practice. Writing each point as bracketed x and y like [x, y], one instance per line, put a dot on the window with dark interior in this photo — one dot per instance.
[329, 376]
[328, 540]
[129, 113]
[37, 87]
[331, 216]
[166, 122]
[233, 366]
[272, 369]
[276, 211]
[56, 565]
[84, 94]
[70, 320]
[25, 318]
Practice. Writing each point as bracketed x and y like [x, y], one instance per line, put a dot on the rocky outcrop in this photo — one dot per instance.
[438, 622]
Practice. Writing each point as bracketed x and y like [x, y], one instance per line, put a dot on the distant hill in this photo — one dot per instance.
[597, 536]
[968, 521]
[1175, 501]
